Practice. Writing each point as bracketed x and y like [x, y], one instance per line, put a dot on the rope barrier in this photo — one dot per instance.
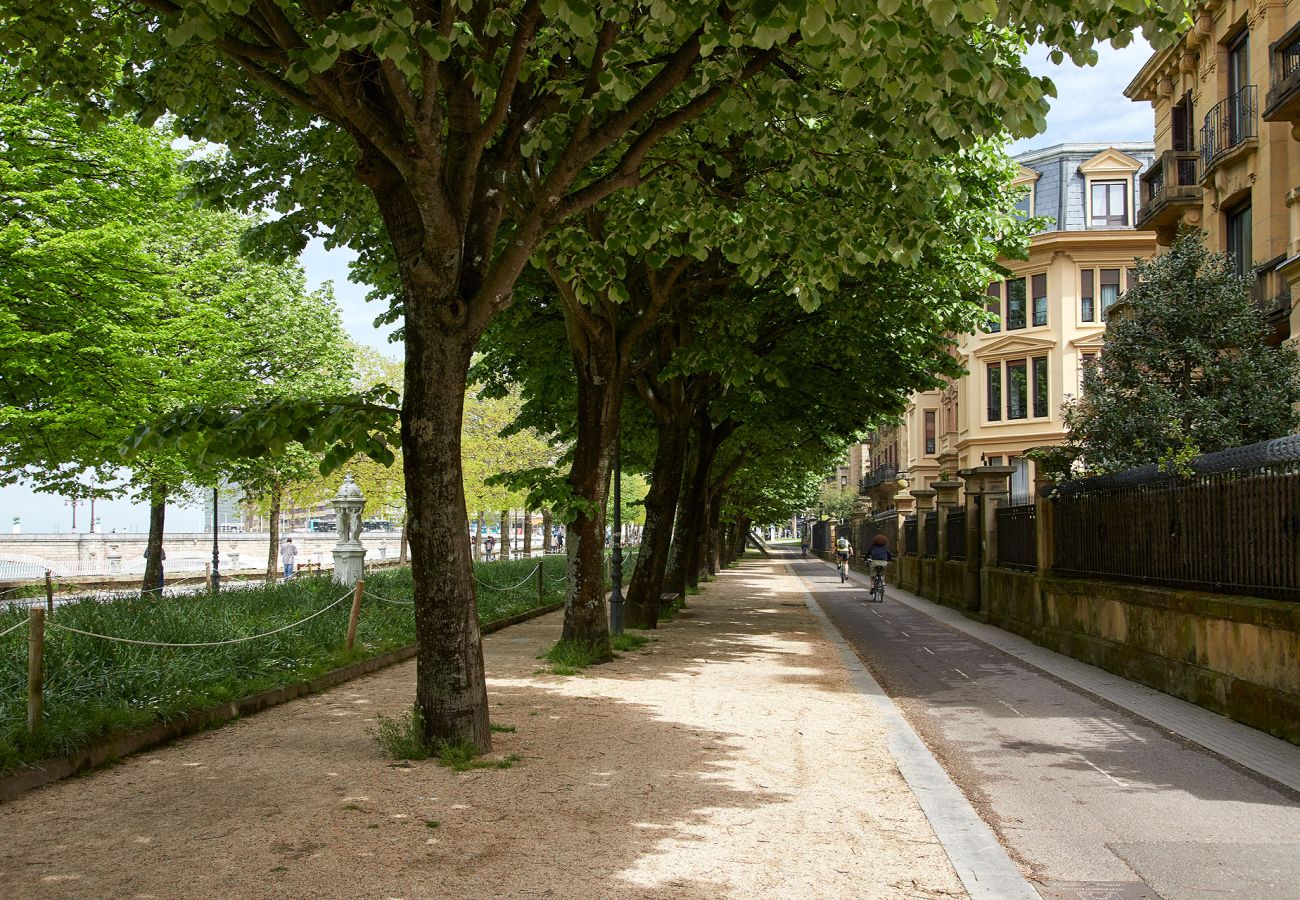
[493, 587]
[375, 596]
[13, 628]
[253, 637]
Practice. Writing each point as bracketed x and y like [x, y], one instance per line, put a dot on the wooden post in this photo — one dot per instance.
[49, 594]
[541, 583]
[356, 614]
[35, 668]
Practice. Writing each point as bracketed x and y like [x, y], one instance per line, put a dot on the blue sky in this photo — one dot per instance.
[1090, 106]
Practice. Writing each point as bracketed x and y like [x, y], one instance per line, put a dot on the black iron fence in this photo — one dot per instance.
[909, 536]
[1231, 527]
[1018, 537]
[956, 529]
[930, 529]
[885, 523]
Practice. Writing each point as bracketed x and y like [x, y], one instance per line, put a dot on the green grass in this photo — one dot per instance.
[503, 729]
[401, 738]
[432, 823]
[569, 657]
[668, 612]
[463, 758]
[626, 641]
[94, 687]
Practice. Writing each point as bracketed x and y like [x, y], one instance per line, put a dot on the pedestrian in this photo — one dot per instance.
[162, 554]
[288, 553]
[489, 545]
[803, 546]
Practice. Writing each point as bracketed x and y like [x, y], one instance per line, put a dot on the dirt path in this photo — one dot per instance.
[730, 758]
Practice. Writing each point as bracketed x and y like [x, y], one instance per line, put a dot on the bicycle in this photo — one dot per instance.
[877, 592]
[842, 566]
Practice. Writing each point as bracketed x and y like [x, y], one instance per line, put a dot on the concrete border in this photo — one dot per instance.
[114, 746]
[981, 862]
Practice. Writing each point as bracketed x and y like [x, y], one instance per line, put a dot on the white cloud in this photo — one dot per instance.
[1090, 103]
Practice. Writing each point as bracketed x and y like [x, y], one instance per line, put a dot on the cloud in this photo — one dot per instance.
[1090, 104]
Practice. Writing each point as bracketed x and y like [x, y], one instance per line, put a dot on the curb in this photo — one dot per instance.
[115, 746]
[982, 864]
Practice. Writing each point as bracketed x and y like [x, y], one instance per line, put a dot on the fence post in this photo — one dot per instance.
[994, 493]
[35, 668]
[924, 503]
[49, 594]
[974, 552]
[541, 584]
[946, 501]
[356, 614]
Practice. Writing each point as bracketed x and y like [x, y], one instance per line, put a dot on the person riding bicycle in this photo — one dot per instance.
[843, 550]
[879, 555]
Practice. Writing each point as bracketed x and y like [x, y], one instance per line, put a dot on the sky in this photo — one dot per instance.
[1090, 106]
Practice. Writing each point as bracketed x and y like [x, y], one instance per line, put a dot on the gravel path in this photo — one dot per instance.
[728, 758]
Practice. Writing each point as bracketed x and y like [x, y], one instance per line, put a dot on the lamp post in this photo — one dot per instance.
[216, 529]
[615, 545]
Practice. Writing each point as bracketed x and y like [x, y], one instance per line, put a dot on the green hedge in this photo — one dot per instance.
[94, 686]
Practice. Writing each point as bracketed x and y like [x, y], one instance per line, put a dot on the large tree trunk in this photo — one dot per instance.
[503, 552]
[712, 539]
[153, 564]
[546, 531]
[403, 554]
[648, 578]
[480, 523]
[528, 533]
[698, 499]
[273, 519]
[600, 394]
[678, 555]
[450, 689]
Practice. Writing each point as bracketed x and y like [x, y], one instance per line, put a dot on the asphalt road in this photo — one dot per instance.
[1092, 801]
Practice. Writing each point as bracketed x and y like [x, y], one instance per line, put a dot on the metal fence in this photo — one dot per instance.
[909, 536]
[1018, 537]
[930, 529]
[1232, 527]
[885, 523]
[956, 528]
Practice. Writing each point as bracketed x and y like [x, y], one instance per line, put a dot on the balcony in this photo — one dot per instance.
[878, 476]
[1230, 124]
[1271, 295]
[1282, 103]
[1169, 187]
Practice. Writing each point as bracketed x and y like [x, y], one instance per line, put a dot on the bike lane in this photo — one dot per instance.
[1090, 799]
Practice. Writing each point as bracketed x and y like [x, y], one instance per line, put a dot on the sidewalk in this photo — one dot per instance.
[732, 757]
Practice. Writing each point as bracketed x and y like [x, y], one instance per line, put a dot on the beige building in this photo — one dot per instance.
[1226, 100]
[1047, 320]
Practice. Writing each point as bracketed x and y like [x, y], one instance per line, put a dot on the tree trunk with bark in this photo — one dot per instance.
[503, 552]
[528, 533]
[546, 531]
[451, 690]
[153, 563]
[273, 523]
[480, 523]
[403, 554]
[712, 537]
[650, 574]
[600, 395]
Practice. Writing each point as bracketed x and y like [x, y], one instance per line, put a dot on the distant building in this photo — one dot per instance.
[1048, 319]
[1226, 101]
[230, 509]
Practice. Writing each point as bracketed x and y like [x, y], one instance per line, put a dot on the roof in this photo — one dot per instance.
[1084, 149]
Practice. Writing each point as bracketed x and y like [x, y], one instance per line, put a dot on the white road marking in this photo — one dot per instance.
[928, 650]
[1101, 770]
[961, 673]
[1012, 708]
[904, 634]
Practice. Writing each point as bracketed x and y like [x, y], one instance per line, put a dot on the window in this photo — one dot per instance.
[1086, 363]
[1109, 290]
[1239, 238]
[1040, 386]
[1025, 205]
[1109, 204]
[1023, 384]
[1040, 299]
[994, 307]
[1020, 482]
[993, 461]
[1087, 306]
[929, 432]
[1017, 389]
[1182, 128]
[1015, 303]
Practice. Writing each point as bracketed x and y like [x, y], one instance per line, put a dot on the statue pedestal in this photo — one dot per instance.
[349, 565]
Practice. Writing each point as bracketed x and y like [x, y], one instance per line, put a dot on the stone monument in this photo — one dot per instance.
[349, 555]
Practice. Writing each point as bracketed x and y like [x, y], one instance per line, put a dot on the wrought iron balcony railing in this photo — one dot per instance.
[878, 476]
[1283, 100]
[1229, 124]
[1174, 180]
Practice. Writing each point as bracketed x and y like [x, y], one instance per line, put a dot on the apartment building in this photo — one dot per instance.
[1226, 100]
[1047, 318]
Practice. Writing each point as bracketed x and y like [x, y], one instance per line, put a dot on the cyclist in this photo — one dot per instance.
[803, 547]
[843, 550]
[878, 558]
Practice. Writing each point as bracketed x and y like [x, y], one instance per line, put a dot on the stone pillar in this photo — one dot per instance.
[924, 500]
[349, 555]
[994, 493]
[1044, 515]
[945, 501]
[974, 554]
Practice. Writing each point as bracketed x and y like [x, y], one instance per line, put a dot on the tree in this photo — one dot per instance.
[475, 128]
[1184, 369]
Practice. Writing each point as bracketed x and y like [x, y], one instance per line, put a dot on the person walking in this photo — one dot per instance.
[162, 554]
[288, 554]
[803, 546]
[489, 545]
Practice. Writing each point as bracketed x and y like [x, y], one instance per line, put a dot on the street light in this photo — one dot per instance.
[616, 547]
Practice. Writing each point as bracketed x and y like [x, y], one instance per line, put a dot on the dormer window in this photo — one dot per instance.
[1108, 189]
[1109, 204]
